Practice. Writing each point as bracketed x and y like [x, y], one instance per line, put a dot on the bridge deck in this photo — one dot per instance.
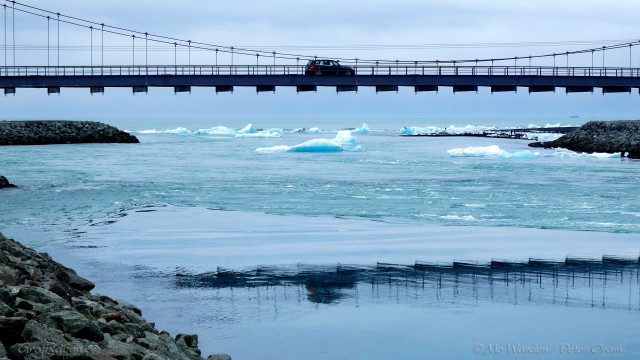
[386, 78]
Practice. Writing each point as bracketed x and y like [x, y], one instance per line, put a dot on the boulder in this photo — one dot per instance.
[219, 357]
[74, 324]
[4, 183]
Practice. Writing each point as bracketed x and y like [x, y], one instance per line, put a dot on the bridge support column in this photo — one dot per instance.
[181, 89]
[304, 88]
[53, 90]
[541, 88]
[504, 88]
[578, 89]
[224, 88]
[464, 88]
[140, 89]
[9, 90]
[421, 88]
[384, 88]
[96, 90]
[344, 88]
[266, 88]
[616, 89]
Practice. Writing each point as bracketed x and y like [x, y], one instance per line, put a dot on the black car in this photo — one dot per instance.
[327, 67]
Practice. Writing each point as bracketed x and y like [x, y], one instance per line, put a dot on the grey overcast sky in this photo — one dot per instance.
[373, 29]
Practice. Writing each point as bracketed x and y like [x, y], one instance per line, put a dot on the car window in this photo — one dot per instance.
[334, 63]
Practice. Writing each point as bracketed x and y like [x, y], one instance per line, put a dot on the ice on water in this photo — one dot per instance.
[495, 151]
[343, 141]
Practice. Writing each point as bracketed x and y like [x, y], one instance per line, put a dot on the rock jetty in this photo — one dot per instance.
[604, 136]
[60, 132]
[48, 312]
[4, 183]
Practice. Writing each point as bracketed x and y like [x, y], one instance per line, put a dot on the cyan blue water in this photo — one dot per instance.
[393, 178]
[132, 216]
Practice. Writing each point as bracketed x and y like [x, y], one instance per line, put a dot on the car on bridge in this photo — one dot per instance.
[327, 67]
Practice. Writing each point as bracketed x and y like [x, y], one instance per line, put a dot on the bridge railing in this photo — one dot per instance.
[380, 70]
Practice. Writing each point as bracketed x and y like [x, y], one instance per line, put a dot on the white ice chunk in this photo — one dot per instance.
[364, 129]
[263, 133]
[179, 130]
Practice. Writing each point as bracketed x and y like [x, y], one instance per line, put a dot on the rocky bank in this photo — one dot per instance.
[60, 132]
[48, 312]
[604, 136]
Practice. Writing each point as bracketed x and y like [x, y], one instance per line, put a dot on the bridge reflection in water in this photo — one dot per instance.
[609, 283]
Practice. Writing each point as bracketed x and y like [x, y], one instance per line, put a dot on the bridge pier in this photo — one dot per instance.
[266, 88]
[541, 88]
[53, 90]
[344, 88]
[578, 89]
[96, 90]
[464, 88]
[140, 89]
[504, 88]
[224, 88]
[385, 88]
[616, 89]
[181, 89]
[421, 88]
[305, 88]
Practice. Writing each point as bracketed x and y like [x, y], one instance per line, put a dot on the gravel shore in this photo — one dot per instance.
[48, 312]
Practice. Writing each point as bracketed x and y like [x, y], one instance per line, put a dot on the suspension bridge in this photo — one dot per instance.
[283, 70]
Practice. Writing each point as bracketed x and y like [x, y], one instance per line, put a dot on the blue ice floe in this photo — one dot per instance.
[495, 151]
[491, 151]
[343, 141]
[449, 130]
[364, 129]
[263, 133]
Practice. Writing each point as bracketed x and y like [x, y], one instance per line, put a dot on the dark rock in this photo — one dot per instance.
[69, 277]
[47, 312]
[73, 323]
[11, 330]
[219, 357]
[604, 136]
[60, 132]
[39, 295]
[189, 340]
[5, 309]
[4, 183]
[544, 144]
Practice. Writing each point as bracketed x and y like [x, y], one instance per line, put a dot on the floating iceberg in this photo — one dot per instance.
[247, 130]
[179, 130]
[545, 137]
[450, 130]
[491, 151]
[343, 141]
[216, 130]
[564, 153]
[364, 129]
[263, 133]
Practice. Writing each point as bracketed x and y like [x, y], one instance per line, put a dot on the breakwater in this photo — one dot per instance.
[604, 136]
[60, 132]
[47, 311]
